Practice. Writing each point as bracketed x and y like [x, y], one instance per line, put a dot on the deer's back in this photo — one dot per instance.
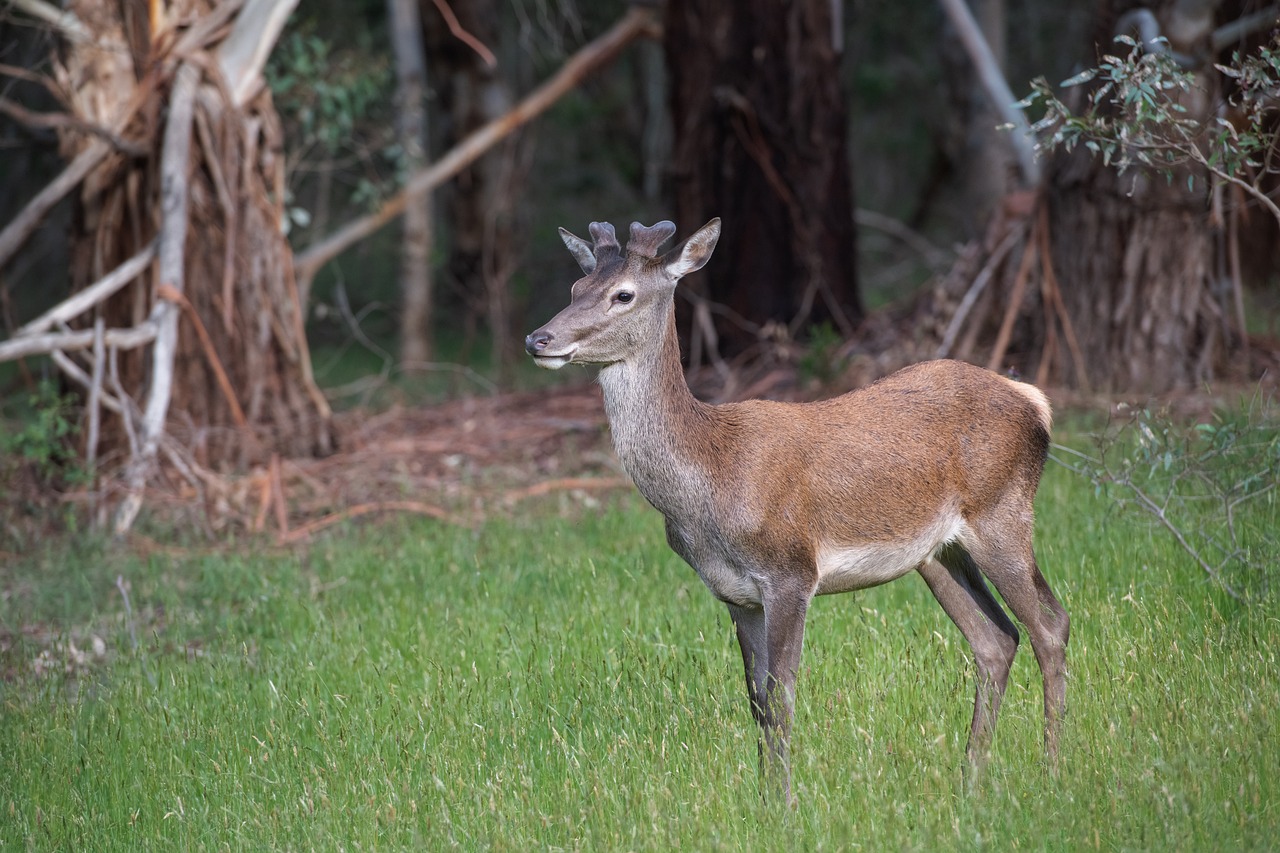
[891, 462]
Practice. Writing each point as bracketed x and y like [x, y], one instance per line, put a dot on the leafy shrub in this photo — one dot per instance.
[1211, 486]
[1136, 115]
[45, 440]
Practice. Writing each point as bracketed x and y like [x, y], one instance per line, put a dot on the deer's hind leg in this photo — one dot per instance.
[1003, 552]
[958, 585]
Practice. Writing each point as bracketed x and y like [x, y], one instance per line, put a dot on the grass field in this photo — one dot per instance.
[559, 679]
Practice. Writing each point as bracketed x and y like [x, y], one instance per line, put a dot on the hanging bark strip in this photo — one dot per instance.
[167, 292]
[637, 22]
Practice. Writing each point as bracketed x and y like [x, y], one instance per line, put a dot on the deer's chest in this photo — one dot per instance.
[729, 579]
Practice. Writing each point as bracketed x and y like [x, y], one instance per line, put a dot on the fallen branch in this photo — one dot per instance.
[174, 162]
[95, 293]
[980, 283]
[635, 23]
[306, 530]
[27, 345]
[52, 121]
[565, 484]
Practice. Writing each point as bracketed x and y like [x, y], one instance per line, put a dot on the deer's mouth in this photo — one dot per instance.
[553, 360]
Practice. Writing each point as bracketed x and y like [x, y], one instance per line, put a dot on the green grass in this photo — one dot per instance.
[563, 681]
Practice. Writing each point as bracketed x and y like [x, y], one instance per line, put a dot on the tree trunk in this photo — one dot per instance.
[760, 140]
[1134, 253]
[480, 205]
[411, 120]
[978, 153]
[239, 285]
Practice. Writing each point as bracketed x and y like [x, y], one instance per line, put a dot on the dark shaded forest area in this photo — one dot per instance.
[223, 183]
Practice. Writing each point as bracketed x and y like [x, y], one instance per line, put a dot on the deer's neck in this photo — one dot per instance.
[667, 439]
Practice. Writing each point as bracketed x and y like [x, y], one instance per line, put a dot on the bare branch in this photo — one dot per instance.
[61, 20]
[635, 23]
[22, 225]
[44, 344]
[199, 35]
[1145, 501]
[980, 282]
[933, 255]
[1198, 156]
[95, 393]
[76, 374]
[166, 291]
[95, 293]
[1229, 33]
[174, 163]
[244, 52]
[34, 119]
[997, 89]
[465, 37]
[418, 507]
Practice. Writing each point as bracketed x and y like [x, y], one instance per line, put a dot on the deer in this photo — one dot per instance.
[932, 469]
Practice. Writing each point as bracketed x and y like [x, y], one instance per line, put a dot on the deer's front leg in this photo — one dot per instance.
[749, 624]
[771, 639]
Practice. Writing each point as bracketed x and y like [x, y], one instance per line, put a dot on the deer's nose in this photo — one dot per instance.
[536, 342]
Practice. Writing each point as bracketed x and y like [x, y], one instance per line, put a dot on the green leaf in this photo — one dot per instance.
[1083, 77]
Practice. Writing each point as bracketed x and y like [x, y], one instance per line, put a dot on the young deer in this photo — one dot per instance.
[932, 469]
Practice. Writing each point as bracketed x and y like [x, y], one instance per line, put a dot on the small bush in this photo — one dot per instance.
[44, 441]
[1212, 486]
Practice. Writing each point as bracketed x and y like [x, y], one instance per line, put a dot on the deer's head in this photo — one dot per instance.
[620, 305]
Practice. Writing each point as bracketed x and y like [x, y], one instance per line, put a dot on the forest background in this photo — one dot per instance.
[297, 550]
[883, 202]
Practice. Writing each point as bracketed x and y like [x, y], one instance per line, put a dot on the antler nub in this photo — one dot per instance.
[606, 241]
[645, 239]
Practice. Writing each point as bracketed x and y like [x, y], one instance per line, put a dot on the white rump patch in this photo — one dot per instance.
[1038, 399]
[842, 568]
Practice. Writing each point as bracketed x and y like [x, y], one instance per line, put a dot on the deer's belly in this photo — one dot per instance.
[842, 568]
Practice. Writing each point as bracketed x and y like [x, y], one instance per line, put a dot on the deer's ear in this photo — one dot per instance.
[694, 252]
[580, 249]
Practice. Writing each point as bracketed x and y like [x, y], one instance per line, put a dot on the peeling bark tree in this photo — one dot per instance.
[1134, 252]
[760, 140]
[1118, 281]
[241, 385]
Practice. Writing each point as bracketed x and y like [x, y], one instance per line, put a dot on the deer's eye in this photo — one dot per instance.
[623, 296]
